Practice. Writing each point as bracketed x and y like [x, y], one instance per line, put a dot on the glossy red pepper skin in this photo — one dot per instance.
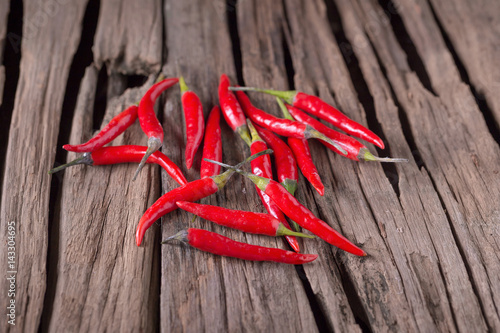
[250, 222]
[116, 126]
[286, 165]
[147, 117]
[351, 145]
[303, 216]
[192, 191]
[126, 154]
[195, 123]
[217, 244]
[134, 154]
[231, 110]
[284, 127]
[300, 148]
[212, 146]
[262, 167]
[323, 110]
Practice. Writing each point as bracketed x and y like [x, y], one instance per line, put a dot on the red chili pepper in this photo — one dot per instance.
[300, 148]
[217, 244]
[280, 126]
[355, 149]
[116, 126]
[302, 153]
[323, 110]
[254, 223]
[192, 191]
[262, 167]
[127, 154]
[212, 145]
[298, 212]
[195, 124]
[147, 118]
[286, 165]
[231, 110]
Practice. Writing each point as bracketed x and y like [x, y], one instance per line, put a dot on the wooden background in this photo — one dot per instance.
[421, 74]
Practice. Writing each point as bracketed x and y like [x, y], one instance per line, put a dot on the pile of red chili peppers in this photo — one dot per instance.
[260, 131]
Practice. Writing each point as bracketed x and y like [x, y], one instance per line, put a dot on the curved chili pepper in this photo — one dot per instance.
[147, 118]
[262, 166]
[192, 191]
[250, 222]
[280, 126]
[217, 244]
[286, 165]
[300, 148]
[195, 124]
[115, 127]
[323, 110]
[355, 149]
[231, 110]
[212, 145]
[127, 154]
[298, 212]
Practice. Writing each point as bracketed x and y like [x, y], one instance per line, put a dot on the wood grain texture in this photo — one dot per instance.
[101, 273]
[129, 36]
[409, 70]
[473, 30]
[31, 150]
[233, 295]
[458, 152]
[437, 257]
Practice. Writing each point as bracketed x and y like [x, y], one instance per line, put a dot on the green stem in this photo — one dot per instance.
[284, 110]
[367, 156]
[85, 159]
[288, 95]
[180, 236]
[183, 85]
[153, 145]
[313, 133]
[284, 231]
[253, 131]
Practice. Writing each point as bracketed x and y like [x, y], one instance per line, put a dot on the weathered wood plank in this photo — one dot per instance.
[473, 29]
[261, 24]
[209, 293]
[128, 36]
[31, 150]
[461, 158]
[104, 281]
[4, 12]
[418, 196]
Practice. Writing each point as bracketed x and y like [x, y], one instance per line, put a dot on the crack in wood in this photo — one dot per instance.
[81, 59]
[481, 100]
[10, 58]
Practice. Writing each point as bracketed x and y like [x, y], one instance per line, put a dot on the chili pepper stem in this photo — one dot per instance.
[290, 185]
[244, 134]
[85, 159]
[284, 231]
[288, 95]
[367, 156]
[313, 133]
[153, 145]
[284, 110]
[183, 85]
[180, 236]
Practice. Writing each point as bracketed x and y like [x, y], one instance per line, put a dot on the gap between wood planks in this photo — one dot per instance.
[11, 60]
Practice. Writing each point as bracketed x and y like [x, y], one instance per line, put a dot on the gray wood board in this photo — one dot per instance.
[31, 151]
[430, 226]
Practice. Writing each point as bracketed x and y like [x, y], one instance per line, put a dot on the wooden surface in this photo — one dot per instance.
[421, 74]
